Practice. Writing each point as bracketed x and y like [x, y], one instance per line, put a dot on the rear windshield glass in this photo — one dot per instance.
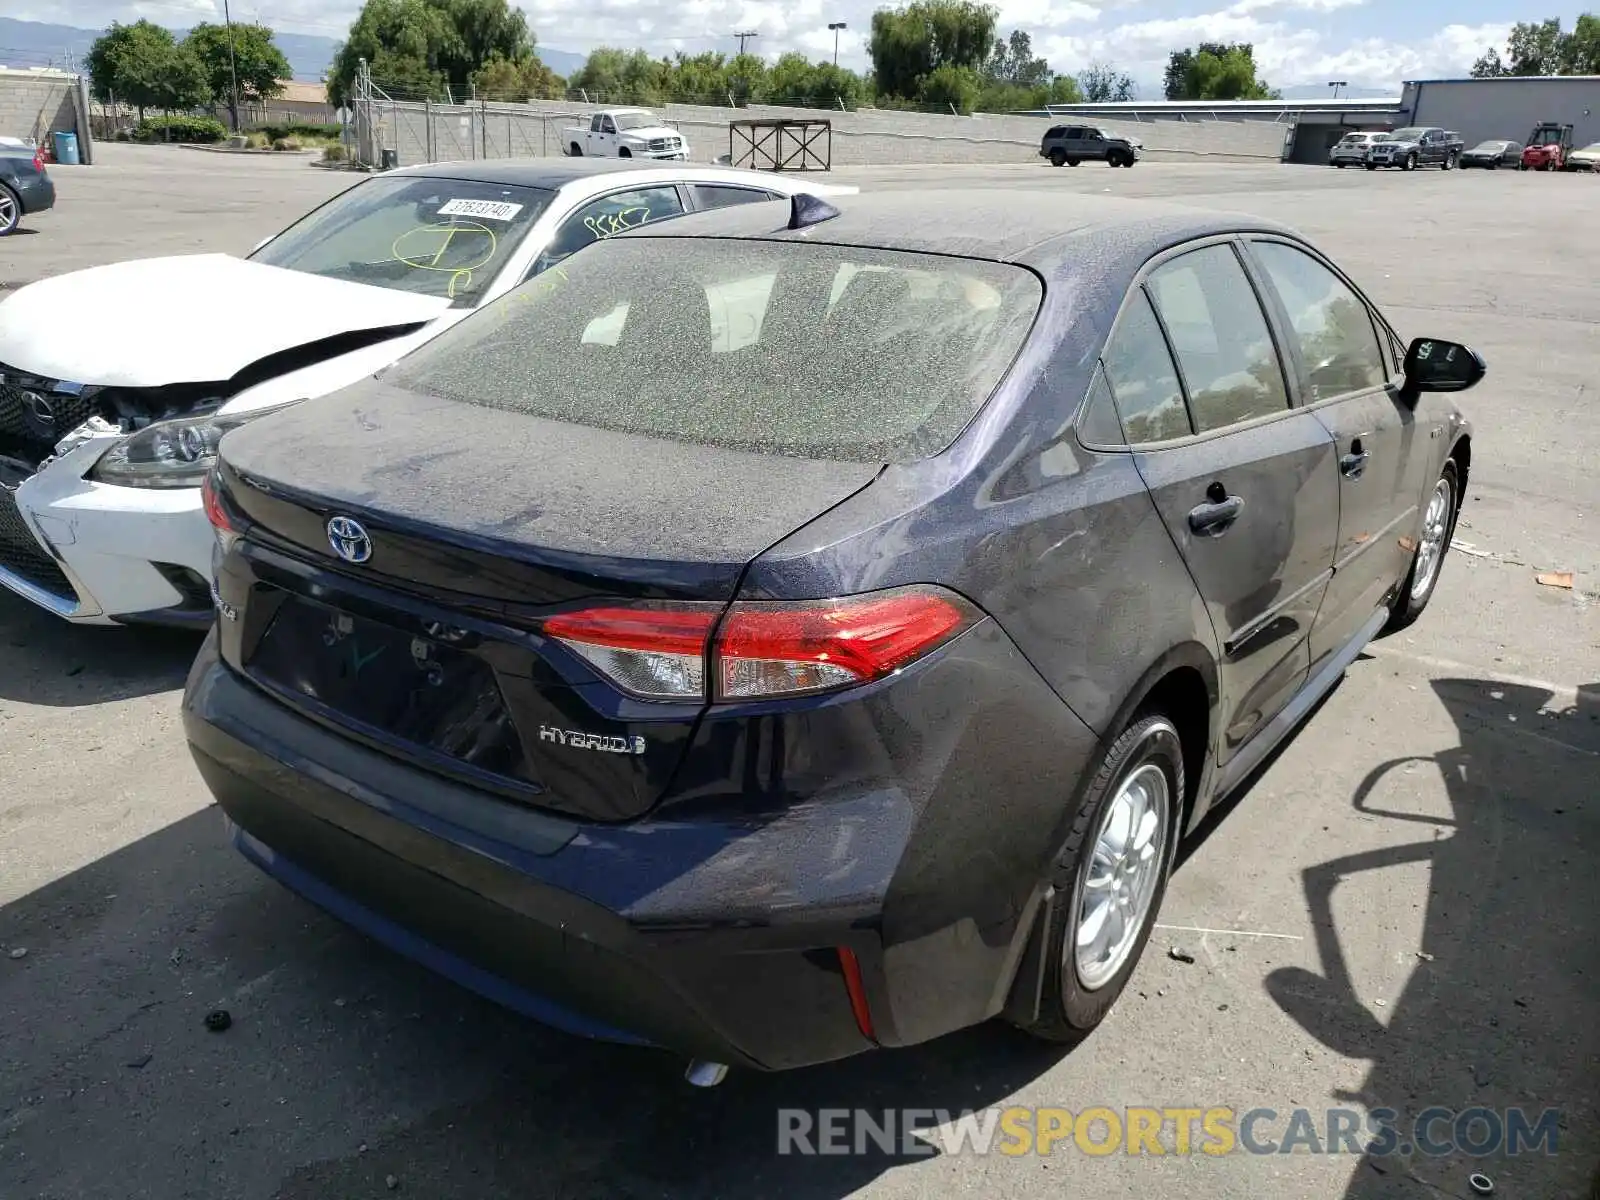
[806, 350]
[441, 237]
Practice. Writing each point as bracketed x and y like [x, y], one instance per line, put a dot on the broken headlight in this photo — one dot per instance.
[171, 454]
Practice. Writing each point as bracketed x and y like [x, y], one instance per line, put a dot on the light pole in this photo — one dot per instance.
[233, 70]
[836, 26]
[1336, 84]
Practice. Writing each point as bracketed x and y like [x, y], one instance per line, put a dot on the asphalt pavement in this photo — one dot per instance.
[1399, 913]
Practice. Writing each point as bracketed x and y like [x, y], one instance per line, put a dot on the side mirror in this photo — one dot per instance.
[1435, 366]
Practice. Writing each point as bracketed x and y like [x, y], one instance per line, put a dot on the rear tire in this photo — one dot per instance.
[1371, 166]
[577, 151]
[10, 210]
[1145, 760]
[1072, 162]
[1057, 158]
[1438, 529]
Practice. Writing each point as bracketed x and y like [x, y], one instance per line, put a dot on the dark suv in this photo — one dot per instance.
[1069, 145]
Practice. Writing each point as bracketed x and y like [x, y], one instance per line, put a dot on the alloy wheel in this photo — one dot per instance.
[1435, 531]
[8, 211]
[1121, 875]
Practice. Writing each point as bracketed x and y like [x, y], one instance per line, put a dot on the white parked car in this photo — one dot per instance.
[625, 133]
[109, 423]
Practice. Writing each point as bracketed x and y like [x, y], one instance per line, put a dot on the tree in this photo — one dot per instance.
[1013, 61]
[622, 76]
[1064, 89]
[430, 49]
[1536, 48]
[1544, 48]
[1215, 71]
[245, 53]
[142, 65]
[908, 45]
[1489, 66]
[952, 87]
[502, 79]
[1102, 83]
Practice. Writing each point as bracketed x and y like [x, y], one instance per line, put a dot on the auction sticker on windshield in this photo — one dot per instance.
[493, 210]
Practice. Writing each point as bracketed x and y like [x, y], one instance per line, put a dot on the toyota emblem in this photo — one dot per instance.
[349, 539]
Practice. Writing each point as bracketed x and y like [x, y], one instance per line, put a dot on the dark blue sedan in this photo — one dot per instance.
[25, 186]
[787, 631]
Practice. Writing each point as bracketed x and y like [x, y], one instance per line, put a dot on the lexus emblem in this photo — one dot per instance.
[349, 539]
[40, 409]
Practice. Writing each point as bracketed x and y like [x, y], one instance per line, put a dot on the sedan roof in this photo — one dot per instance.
[1038, 229]
[555, 172]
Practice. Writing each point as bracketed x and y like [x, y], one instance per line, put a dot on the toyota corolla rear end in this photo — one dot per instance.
[534, 662]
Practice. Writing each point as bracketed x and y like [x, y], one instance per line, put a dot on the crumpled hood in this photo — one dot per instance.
[193, 318]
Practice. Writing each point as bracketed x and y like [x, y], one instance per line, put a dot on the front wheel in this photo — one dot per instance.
[1110, 878]
[1411, 162]
[1438, 527]
[1371, 166]
[624, 152]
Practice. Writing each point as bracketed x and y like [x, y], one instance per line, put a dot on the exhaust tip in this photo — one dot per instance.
[706, 1074]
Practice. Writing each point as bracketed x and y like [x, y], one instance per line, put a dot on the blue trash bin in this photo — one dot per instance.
[66, 148]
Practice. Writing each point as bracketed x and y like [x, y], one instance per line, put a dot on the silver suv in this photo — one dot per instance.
[1069, 145]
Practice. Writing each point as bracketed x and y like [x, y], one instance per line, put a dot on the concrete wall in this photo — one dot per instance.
[34, 104]
[422, 133]
[1480, 109]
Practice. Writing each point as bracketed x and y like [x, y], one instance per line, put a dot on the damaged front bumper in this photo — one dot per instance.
[99, 554]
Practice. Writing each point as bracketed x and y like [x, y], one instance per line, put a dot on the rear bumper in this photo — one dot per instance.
[715, 936]
[38, 193]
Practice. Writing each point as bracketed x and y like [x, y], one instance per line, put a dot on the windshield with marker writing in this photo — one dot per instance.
[437, 237]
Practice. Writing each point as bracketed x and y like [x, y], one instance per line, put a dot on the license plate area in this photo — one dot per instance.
[408, 691]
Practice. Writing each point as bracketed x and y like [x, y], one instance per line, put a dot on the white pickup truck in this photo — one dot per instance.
[625, 133]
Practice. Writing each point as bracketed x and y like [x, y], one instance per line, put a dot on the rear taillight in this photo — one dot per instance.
[212, 502]
[38, 161]
[761, 649]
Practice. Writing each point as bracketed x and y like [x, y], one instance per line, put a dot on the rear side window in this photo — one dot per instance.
[609, 216]
[1140, 371]
[1220, 336]
[717, 195]
[800, 349]
[1338, 344]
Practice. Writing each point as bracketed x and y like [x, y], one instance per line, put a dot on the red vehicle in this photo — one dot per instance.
[1547, 148]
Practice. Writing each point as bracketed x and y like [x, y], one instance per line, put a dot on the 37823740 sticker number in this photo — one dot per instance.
[491, 210]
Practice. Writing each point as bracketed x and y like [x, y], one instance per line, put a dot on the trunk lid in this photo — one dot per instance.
[479, 523]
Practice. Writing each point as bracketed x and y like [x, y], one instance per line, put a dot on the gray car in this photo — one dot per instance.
[1069, 145]
[793, 629]
[25, 187]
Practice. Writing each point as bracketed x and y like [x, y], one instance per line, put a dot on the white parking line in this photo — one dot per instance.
[1286, 937]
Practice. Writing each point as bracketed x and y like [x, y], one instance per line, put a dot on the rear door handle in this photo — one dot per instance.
[1215, 518]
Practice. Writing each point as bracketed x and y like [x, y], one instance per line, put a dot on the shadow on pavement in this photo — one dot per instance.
[345, 1065]
[1500, 1010]
[45, 660]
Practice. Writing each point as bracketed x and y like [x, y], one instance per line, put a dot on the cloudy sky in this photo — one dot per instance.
[1369, 42]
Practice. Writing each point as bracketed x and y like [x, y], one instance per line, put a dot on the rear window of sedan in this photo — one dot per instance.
[799, 349]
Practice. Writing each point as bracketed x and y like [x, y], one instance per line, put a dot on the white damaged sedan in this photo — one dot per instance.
[108, 427]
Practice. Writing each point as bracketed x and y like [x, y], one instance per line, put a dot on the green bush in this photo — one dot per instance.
[180, 128]
[301, 130]
[334, 153]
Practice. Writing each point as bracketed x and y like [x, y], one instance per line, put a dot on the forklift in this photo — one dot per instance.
[1547, 148]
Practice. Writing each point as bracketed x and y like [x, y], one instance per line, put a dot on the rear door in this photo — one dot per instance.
[1346, 380]
[604, 216]
[1245, 484]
